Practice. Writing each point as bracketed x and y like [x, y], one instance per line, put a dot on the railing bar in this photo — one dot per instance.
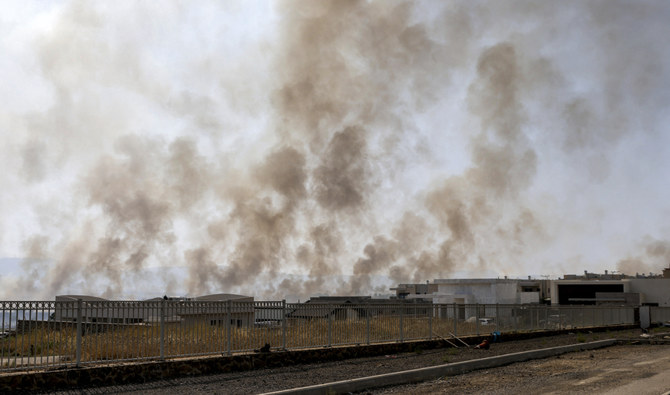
[58, 315]
[39, 308]
[136, 324]
[3, 306]
[2, 345]
[43, 333]
[32, 337]
[16, 334]
[180, 308]
[29, 333]
[199, 328]
[99, 327]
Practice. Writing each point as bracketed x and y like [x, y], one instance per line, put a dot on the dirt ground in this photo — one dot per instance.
[599, 371]
[266, 380]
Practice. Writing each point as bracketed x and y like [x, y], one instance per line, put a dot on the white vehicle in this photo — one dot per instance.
[486, 321]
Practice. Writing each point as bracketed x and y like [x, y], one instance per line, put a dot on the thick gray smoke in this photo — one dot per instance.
[337, 147]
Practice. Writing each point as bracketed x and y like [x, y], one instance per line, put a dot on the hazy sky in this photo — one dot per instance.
[285, 148]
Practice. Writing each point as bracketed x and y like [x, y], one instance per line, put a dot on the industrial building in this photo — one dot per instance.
[587, 289]
[415, 291]
[599, 289]
[491, 291]
[355, 307]
[181, 310]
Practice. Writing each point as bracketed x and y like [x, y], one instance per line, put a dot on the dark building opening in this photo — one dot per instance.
[584, 293]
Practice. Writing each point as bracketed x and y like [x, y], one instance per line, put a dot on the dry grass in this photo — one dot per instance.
[123, 342]
[143, 341]
[38, 342]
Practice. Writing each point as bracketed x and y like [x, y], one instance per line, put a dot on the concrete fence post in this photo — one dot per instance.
[79, 329]
[283, 324]
[162, 329]
[229, 313]
[645, 317]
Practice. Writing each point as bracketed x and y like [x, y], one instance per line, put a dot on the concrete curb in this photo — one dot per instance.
[434, 372]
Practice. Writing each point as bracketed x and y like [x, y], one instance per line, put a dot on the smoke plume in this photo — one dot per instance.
[331, 147]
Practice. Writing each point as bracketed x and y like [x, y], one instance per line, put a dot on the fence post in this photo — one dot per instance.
[496, 320]
[430, 322]
[229, 307]
[283, 324]
[477, 317]
[330, 327]
[402, 309]
[367, 323]
[455, 322]
[162, 329]
[516, 323]
[593, 317]
[79, 328]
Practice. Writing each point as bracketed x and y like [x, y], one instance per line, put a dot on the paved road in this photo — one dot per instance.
[639, 370]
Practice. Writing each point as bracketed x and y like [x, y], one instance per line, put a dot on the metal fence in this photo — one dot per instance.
[38, 335]
[659, 314]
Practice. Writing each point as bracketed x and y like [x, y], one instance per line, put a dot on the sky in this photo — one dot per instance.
[283, 149]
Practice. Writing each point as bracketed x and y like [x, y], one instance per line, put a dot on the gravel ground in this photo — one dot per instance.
[620, 369]
[266, 380]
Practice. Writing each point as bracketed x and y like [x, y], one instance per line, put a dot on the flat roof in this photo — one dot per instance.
[485, 280]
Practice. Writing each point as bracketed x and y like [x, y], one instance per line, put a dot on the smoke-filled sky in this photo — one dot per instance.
[278, 148]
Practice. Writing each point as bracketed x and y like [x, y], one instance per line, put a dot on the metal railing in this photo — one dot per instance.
[39, 335]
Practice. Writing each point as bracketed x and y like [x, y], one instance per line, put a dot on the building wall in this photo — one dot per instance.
[652, 290]
[482, 291]
[555, 286]
[414, 291]
[507, 293]
[529, 297]
[236, 319]
[617, 298]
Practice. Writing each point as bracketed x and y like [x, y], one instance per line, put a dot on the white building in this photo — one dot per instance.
[478, 297]
[490, 291]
